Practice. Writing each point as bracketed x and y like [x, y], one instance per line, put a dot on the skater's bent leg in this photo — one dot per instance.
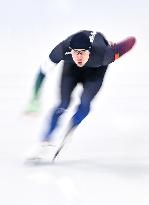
[67, 86]
[90, 90]
[82, 111]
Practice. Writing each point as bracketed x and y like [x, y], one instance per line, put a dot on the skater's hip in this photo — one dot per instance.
[82, 74]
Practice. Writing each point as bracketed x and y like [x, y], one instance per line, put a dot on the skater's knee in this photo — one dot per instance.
[64, 105]
[60, 110]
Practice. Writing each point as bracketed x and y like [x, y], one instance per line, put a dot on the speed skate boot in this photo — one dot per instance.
[42, 152]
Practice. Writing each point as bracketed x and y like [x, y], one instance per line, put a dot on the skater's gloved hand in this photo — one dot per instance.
[34, 106]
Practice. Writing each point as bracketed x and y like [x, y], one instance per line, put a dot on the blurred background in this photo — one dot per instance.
[107, 161]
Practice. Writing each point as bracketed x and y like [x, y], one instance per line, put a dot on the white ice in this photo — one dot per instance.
[107, 159]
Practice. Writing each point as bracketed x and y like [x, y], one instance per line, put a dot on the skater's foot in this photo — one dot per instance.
[43, 152]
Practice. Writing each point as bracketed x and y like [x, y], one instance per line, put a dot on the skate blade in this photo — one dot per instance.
[38, 161]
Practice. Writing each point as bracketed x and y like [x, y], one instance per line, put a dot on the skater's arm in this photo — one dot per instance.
[45, 67]
[54, 58]
[57, 54]
[116, 50]
[38, 84]
[34, 104]
[123, 47]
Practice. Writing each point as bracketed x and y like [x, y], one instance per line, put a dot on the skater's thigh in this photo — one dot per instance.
[68, 82]
[92, 84]
[90, 89]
